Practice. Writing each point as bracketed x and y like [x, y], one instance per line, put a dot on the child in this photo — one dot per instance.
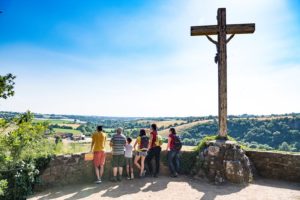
[128, 158]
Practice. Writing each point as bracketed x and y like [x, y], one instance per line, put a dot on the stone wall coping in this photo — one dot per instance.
[221, 142]
[273, 152]
[65, 156]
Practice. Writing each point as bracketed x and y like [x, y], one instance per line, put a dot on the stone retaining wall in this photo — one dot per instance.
[67, 169]
[273, 165]
[72, 169]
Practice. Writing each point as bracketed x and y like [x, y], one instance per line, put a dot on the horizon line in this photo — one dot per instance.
[230, 115]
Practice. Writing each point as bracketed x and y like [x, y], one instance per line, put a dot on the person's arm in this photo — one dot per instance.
[105, 138]
[135, 144]
[93, 142]
[169, 144]
[150, 141]
[111, 142]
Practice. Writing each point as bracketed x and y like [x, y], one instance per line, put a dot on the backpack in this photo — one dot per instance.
[177, 143]
[144, 142]
[158, 141]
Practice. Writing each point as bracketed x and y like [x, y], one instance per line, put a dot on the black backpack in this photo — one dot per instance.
[144, 142]
[177, 143]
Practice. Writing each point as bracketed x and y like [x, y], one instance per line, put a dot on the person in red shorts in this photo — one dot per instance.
[98, 147]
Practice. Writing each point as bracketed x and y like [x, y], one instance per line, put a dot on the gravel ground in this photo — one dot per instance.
[165, 188]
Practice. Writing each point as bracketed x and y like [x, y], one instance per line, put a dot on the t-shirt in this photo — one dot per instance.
[128, 150]
[118, 142]
[172, 136]
[99, 139]
[154, 137]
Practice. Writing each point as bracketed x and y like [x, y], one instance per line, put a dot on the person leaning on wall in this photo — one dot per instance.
[117, 143]
[98, 148]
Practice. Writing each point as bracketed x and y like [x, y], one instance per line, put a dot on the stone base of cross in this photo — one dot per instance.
[221, 30]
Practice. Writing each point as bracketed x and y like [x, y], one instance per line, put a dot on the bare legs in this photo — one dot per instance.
[115, 171]
[99, 171]
[120, 171]
[140, 166]
[129, 170]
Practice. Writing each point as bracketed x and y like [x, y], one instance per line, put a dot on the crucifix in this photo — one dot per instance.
[222, 29]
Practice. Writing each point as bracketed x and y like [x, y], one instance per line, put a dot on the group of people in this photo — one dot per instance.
[141, 154]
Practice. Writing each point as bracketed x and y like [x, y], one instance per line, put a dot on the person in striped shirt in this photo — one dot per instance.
[117, 143]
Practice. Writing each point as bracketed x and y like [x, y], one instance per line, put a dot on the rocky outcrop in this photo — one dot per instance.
[223, 160]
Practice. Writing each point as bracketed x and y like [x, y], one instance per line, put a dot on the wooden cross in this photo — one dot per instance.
[222, 29]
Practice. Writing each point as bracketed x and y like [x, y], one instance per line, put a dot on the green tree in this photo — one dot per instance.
[284, 146]
[7, 86]
[22, 144]
[6, 90]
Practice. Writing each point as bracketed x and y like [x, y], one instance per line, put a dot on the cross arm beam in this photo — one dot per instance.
[230, 29]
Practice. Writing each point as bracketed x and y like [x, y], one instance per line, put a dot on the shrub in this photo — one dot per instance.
[203, 142]
[24, 151]
[3, 187]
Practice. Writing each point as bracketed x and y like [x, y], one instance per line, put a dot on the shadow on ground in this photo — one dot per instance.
[147, 186]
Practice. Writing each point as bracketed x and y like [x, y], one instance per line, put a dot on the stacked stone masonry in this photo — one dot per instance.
[72, 169]
[273, 165]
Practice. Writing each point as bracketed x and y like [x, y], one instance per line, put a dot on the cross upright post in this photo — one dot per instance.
[222, 29]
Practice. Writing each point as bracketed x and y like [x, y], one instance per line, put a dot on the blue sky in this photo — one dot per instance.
[137, 58]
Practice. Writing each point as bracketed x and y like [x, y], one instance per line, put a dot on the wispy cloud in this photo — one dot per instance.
[146, 64]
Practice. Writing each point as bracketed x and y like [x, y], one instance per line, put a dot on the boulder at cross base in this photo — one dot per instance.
[224, 160]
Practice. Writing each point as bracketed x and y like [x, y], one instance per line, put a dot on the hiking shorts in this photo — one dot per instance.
[117, 160]
[99, 158]
[142, 153]
[129, 162]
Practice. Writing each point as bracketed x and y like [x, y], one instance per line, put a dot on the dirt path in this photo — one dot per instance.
[184, 188]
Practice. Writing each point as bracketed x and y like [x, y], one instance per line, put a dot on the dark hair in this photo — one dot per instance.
[99, 128]
[129, 140]
[154, 127]
[142, 132]
[173, 131]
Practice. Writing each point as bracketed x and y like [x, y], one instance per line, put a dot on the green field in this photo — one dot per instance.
[109, 129]
[54, 121]
[61, 130]
[79, 147]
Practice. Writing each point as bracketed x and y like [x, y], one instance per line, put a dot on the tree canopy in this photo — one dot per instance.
[7, 86]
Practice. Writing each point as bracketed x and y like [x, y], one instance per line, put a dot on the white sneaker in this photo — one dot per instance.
[98, 181]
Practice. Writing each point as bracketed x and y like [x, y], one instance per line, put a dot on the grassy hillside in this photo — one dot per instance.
[181, 128]
[271, 134]
[162, 124]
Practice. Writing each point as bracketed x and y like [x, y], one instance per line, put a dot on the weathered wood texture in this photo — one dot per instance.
[222, 29]
[222, 71]
[230, 29]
